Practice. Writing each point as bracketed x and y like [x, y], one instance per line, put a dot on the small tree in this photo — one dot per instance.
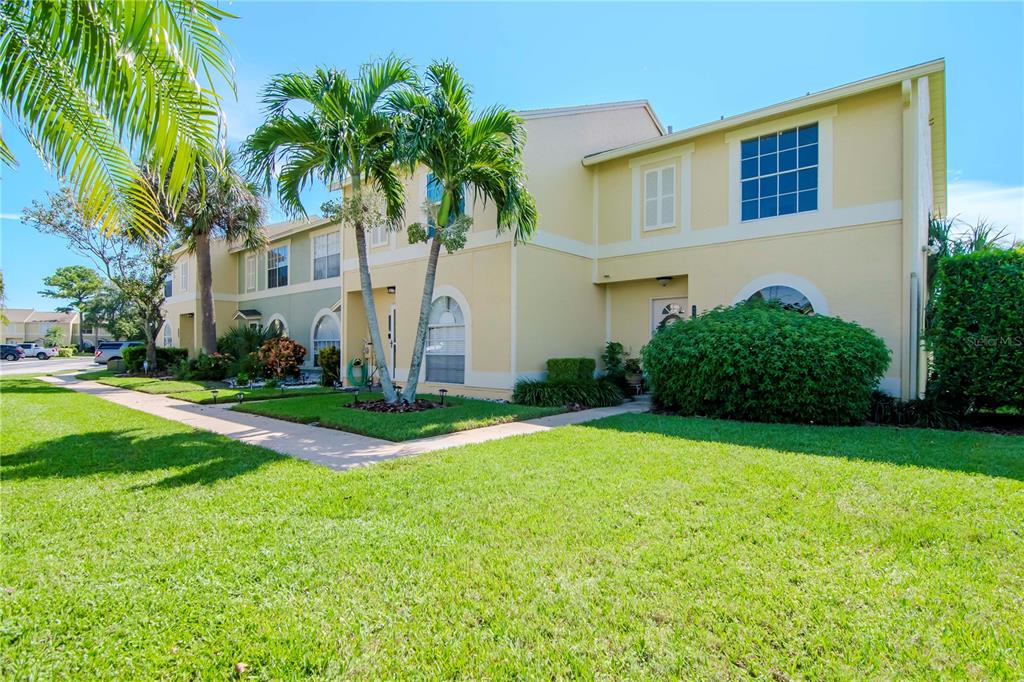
[137, 268]
[74, 283]
[53, 337]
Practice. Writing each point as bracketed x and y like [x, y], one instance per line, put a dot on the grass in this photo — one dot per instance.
[197, 391]
[333, 411]
[642, 546]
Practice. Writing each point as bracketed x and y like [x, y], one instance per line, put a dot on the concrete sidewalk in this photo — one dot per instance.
[338, 450]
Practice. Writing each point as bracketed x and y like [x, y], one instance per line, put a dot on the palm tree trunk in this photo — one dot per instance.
[422, 326]
[81, 336]
[371, 315]
[208, 323]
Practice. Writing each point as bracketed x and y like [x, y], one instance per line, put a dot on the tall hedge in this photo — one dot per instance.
[570, 370]
[134, 356]
[977, 332]
[757, 361]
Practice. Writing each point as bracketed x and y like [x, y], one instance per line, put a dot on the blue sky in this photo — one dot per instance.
[694, 62]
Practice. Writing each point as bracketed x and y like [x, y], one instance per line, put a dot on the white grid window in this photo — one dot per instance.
[446, 342]
[250, 272]
[379, 236]
[660, 198]
[327, 255]
[168, 339]
[277, 267]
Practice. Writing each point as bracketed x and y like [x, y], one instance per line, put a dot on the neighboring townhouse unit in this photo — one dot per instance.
[26, 325]
[821, 201]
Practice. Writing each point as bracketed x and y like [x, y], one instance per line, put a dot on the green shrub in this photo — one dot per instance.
[571, 369]
[240, 340]
[282, 357]
[613, 358]
[757, 361]
[134, 356]
[929, 412]
[213, 367]
[977, 332]
[66, 352]
[329, 360]
[590, 393]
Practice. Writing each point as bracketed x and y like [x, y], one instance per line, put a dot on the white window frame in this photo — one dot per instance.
[287, 263]
[312, 252]
[661, 195]
[182, 277]
[824, 118]
[251, 272]
[320, 315]
[168, 335]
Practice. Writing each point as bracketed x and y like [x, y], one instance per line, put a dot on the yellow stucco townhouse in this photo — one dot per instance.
[821, 201]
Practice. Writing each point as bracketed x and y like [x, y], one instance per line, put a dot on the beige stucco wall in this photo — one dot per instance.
[560, 312]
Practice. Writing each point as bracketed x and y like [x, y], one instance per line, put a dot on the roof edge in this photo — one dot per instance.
[817, 98]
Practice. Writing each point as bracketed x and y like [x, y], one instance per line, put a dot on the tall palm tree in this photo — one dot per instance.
[220, 203]
[464, 152]
[343, 129]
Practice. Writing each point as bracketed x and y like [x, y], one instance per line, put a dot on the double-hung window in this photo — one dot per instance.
[168, 286]
[250, 272]
[327, 255]
[379, 236]
[183, 276]
[660, 198]
[277, 267]
[779, 173]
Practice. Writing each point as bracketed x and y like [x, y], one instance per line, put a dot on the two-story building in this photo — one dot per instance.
[821, 201]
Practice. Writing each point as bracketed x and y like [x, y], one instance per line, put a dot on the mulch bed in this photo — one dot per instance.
[382, 406]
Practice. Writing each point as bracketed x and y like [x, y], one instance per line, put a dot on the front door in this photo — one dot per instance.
[392, 339]
[666, 311]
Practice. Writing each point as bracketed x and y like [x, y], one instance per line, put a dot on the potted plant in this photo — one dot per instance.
[634, 374]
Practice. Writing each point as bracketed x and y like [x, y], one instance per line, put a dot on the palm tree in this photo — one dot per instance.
[220, 203]
[463, 152]
[343, 129]
[91, 83]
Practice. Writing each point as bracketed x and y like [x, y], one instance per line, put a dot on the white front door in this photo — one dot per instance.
[666, 311]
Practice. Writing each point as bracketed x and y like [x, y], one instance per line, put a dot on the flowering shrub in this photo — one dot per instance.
[282, 357]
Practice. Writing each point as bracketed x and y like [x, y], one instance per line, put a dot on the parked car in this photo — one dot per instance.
[11, 352]
[113, 350]
[34, 350]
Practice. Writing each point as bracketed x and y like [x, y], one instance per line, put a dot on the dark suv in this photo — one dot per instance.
[11, 352]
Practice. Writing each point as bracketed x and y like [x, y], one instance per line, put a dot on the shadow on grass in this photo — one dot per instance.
[27, 384]
[961, 451]
[193, 458]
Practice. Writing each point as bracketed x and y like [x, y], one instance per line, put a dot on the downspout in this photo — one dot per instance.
[915, 333]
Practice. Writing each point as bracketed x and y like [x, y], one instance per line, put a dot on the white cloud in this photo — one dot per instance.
[10, 216]
[998, 204]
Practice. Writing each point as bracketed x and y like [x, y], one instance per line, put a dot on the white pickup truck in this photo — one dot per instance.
[33, 350]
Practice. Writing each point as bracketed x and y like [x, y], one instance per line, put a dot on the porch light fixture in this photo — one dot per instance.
[391, 290]
[442, 392]
[663, 281]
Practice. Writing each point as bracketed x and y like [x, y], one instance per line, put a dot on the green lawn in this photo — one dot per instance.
[638, 547]
[333, 411]
[197, 391]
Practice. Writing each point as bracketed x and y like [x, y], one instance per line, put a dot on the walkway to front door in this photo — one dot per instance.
[338, 450]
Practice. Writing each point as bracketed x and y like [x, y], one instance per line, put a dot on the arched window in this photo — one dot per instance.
[168, 337]
[278, 325]
[788, 297]
[326, 333]
[446, 342]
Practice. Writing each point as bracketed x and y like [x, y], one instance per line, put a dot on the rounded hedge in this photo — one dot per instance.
[756, 361]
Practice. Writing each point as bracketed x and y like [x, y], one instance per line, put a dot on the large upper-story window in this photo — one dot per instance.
[327, 255]
[660, 198]
[277, 267]
[183, 276]
[379, 236]
[779, 173]
[168, 286]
